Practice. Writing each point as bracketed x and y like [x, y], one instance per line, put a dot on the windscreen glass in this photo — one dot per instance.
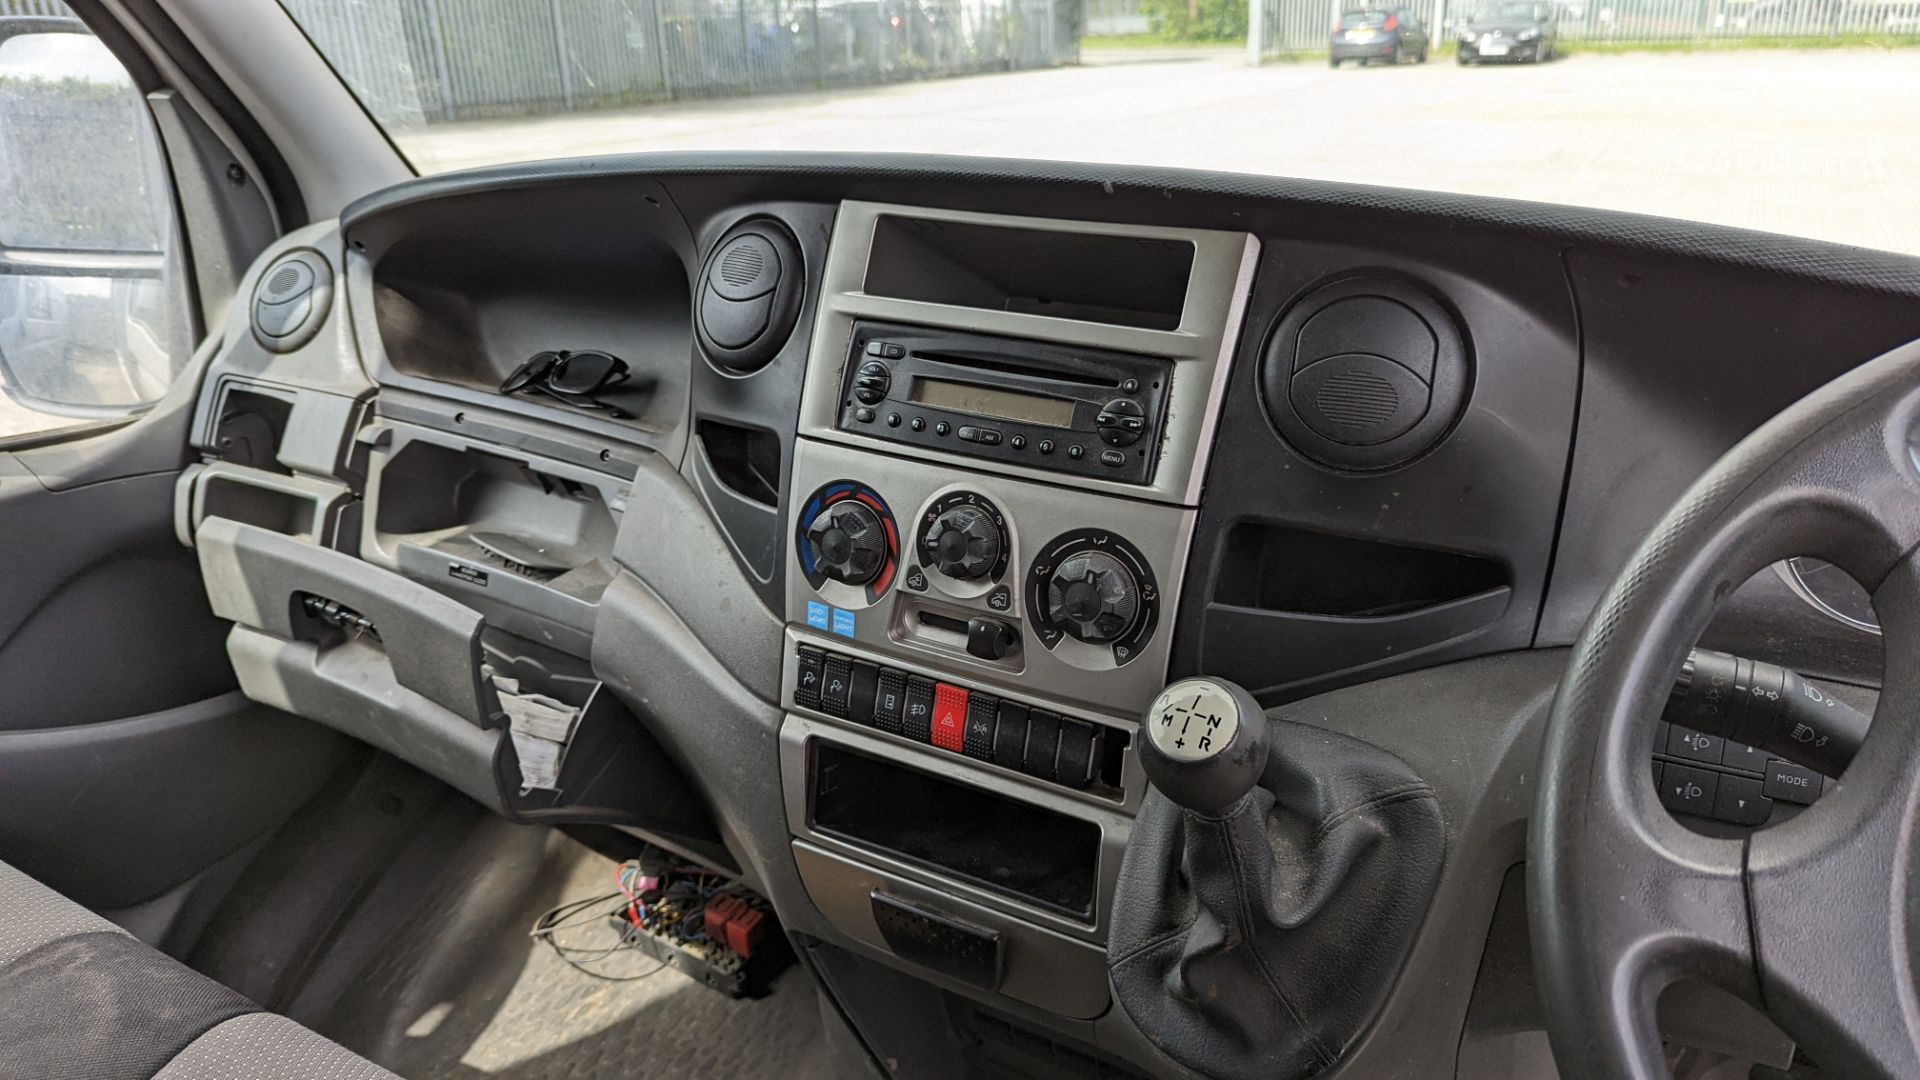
[1791, 116]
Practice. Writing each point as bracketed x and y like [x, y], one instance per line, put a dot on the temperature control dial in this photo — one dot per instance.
[964, 537]
[848, 544]
[1093, 586]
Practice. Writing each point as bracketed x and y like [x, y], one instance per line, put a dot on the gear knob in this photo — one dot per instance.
[1206, 744]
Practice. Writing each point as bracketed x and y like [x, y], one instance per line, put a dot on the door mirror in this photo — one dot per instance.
[92, 319]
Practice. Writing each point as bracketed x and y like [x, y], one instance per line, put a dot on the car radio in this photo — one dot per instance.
[1066, 409]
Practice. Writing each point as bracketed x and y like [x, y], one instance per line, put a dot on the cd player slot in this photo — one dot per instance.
[979, 362]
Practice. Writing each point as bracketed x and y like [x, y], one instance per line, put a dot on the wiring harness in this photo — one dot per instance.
[699, 914]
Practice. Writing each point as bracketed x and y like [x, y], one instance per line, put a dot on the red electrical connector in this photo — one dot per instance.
[731, 922]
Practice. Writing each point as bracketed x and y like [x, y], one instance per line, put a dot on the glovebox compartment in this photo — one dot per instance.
[412, 673]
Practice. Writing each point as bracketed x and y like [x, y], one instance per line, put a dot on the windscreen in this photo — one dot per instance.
[1791, 117]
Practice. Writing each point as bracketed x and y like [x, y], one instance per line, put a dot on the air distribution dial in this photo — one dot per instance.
[964, 537]
[1095, 587]
[849, 542]
[847, 538]
[1092, 597]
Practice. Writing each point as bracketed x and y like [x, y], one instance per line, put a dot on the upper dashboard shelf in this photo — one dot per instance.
[451, 295]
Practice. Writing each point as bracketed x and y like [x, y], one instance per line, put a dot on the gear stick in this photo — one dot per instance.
[1274, 878]
[1206, 744]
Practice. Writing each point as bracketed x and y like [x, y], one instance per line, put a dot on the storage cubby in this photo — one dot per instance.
[1009, 846]
[1290, 611]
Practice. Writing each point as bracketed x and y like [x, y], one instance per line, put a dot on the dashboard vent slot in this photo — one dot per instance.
[741, 265]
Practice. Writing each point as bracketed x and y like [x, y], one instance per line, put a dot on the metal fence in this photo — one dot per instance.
[435, 60]
[1288, 27]
[34, 7]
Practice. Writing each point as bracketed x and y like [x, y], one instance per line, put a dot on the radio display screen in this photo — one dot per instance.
[993, 401]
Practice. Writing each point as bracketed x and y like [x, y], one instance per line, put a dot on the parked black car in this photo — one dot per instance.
[1517, 30]
[1392, 34]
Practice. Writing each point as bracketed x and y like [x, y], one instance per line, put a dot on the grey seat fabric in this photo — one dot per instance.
[31, 915]
[267, 1046]
[209, 1033]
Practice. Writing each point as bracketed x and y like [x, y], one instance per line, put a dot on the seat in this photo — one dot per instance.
[80, 998]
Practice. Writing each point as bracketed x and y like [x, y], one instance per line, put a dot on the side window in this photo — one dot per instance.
[93, 317]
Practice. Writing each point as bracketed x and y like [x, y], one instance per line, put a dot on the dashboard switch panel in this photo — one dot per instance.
[966, 721]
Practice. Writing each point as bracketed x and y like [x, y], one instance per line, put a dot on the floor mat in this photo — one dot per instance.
[556, 1023]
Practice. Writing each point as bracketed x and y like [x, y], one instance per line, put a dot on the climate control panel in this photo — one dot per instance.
[1027, 583]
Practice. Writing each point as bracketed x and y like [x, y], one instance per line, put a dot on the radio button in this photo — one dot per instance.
[863, 414]
[1018, 442]
[893, 419]
[1130, 386]
[871, 383]
[1113, 458]
[892, 351]
[918, 423]
[942, 428]
[983, 436]
[1076, 451]
[1046, 446]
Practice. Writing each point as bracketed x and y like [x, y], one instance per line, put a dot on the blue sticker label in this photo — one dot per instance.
[843, 622]
[816, 615]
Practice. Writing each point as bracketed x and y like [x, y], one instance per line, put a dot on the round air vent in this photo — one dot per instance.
[1365, 373]
[749, 295]
[291, 300]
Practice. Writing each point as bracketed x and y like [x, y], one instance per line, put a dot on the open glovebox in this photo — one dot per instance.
[458, 643]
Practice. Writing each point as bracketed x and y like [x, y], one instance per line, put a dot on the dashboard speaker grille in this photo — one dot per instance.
[284, 281]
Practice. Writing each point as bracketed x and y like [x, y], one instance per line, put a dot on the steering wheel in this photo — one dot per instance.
[1815, 921]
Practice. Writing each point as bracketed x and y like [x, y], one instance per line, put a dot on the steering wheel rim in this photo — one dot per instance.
[1814, 921]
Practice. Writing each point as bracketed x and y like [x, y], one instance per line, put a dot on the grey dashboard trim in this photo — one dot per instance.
[1201, 347]
[809, 174]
